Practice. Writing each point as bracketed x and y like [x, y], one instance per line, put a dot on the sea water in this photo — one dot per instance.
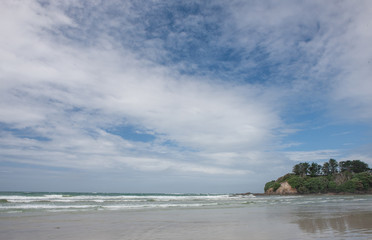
[27, 202]
[183, 216]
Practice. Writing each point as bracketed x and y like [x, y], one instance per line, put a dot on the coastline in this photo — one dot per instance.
[302, 194]
[309, 217]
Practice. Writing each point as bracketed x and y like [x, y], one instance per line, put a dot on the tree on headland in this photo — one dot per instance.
[296, 169]
[301, 169]
[355, 166]
[330, 167]
[345, 166]
[333, 165]
[359, 166]
[315, 169]
[344, 177]
[325, 169]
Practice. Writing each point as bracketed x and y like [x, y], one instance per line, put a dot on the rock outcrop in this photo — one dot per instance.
[284, 189]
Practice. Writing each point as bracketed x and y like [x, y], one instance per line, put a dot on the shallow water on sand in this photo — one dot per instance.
[227, 217]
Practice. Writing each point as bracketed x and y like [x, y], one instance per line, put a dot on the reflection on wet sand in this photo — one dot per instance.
[268, 217]
[338, 223]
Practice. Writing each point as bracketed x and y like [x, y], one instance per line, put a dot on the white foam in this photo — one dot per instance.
[38, 206]
[154, 206]
[59, 202]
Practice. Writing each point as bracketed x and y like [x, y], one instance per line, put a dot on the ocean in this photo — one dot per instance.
[28, 202]
[31, 215]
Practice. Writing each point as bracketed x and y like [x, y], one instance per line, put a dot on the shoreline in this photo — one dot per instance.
[301, 194]
[334, 218]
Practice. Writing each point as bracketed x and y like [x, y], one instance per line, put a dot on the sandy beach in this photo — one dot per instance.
[311, 217]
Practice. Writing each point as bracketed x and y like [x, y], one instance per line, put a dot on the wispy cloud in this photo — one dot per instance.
[321, 50]
[70, 94]
[315, 156]
[216, 85]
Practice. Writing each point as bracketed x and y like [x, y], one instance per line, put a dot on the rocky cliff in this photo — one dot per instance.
[284, 189]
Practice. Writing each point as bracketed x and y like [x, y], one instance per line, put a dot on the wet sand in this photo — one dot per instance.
[313, 221]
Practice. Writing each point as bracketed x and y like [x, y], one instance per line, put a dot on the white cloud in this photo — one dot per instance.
[323, 49]
[312, 156]
[71, 93]
[353, 88]
[69, 77]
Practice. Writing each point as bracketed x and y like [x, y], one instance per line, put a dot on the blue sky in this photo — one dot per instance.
[180, 96]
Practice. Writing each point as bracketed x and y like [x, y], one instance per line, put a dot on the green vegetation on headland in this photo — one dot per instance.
[331, 177]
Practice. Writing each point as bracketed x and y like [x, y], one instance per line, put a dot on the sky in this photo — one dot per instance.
[180, 96]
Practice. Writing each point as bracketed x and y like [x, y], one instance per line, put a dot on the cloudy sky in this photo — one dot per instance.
[180, 96]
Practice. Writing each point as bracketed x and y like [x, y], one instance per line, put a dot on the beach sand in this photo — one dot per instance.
[256, 222]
